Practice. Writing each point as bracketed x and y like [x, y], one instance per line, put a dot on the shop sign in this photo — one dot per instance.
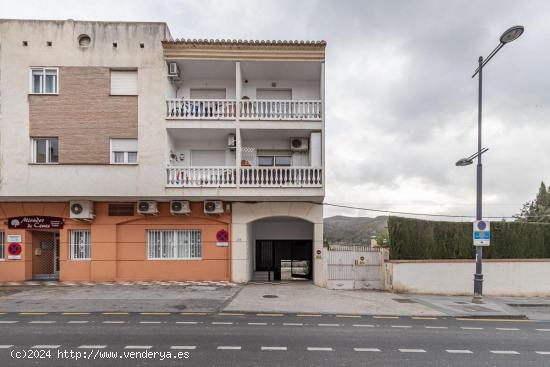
[35, 222]
[222, 237]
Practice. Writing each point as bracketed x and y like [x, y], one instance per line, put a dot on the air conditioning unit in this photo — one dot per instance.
[213, 207]
[82, 209]
[180, 207]
[231, 141]
[173, 70]
[299, 144]
[147, 207]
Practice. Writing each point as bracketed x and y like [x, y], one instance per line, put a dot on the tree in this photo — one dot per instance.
[537, 210]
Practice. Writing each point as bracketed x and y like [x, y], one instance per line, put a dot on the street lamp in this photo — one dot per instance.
[508, 36]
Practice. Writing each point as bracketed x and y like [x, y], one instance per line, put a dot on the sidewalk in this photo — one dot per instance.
[292, 297]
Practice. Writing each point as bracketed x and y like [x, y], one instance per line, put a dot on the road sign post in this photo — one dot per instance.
[481, 238]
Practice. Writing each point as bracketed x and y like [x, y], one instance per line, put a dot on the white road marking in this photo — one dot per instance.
[366, 349]
[412, 350]
[402, 326]
[459, 351]
[45, 346]
[471, 328]
[507, 328]
[8, 322]
[41, 322]
[436, 327]
[221, 323]
[542, 329]
[292, 324]
[187, 322]
[229, 347]
[78, 322]
[362, 325]
[113, 322]
[273, 348]
[543, 353]
[150, 322]
[258, 323]
[185, 347]
[319, 349]
[9, 346]
[504, 352]
[328, 324]
[138, 347]
[92, 346]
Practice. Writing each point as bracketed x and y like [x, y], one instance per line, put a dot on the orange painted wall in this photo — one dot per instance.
[119, 245]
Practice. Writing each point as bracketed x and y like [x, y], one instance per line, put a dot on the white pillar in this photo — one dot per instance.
[238, 88]
[238, 154]
[319, 277]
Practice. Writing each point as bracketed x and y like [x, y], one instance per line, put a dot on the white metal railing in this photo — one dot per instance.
[201, 176]
[281, 176]
[208, 109]
[266, 109]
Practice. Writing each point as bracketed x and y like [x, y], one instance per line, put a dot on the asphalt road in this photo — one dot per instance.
[133, 339]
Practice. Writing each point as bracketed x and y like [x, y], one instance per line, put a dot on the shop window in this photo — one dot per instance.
[174, 244]
[80, 245]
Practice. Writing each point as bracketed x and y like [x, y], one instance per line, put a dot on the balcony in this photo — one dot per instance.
[252, 109]
[274, 177]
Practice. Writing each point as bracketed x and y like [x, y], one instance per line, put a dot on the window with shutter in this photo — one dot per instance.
[124, 82]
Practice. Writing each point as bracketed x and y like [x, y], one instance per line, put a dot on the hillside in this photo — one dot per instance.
[353, 229]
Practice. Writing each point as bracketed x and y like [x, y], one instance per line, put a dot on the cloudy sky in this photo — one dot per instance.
[401, 104]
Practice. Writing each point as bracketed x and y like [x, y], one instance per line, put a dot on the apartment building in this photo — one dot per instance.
[127, 154]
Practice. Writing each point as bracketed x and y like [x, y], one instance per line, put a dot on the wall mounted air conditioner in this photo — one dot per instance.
[147, 207]
[173, 70]
[231, 141]
[213, 207]
[81, 209]
[180, 207]
[299, 144]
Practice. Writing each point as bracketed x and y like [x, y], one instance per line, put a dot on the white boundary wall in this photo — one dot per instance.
[525, 277]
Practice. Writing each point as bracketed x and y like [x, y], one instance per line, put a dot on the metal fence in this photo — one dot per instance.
[354, 267]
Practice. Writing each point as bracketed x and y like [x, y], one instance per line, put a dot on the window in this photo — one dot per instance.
[80, 245]
[121, 210]
[124, 82]
[174, 244]
[45, 150]
[279, 161]
[124, 151]
[2, 249]
[44, 80]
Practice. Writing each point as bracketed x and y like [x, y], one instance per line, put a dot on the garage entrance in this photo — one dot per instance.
[284, 259]
[282, 249]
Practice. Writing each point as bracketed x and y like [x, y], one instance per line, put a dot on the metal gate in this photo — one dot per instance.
[354, 267]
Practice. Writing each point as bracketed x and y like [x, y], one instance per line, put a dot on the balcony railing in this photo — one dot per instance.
[204, 109]
[249, 176]
[250, 109]
[281, 176]
[263, 109]
[201, 176]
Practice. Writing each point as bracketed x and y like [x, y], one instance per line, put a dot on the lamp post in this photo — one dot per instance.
[508, 36]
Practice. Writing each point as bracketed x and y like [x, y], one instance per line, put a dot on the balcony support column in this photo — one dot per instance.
[238, 155]
[238, 88]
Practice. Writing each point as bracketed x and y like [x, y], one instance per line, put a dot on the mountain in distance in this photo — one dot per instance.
[357, 230]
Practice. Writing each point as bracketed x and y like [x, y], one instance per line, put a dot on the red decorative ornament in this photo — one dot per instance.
[222, 236]
[14, 249]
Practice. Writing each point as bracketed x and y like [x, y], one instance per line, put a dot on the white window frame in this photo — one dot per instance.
[125, 152]
[81, 251]
[42, 86]
[184, 244]
[274, 157]
[2, 246]
[48, 157]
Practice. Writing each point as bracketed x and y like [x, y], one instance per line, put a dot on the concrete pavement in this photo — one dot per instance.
[268, 340]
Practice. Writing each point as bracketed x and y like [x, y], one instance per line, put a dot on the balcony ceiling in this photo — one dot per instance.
[200, 134]
[207, 69]
[277, 70]
[253, 134]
